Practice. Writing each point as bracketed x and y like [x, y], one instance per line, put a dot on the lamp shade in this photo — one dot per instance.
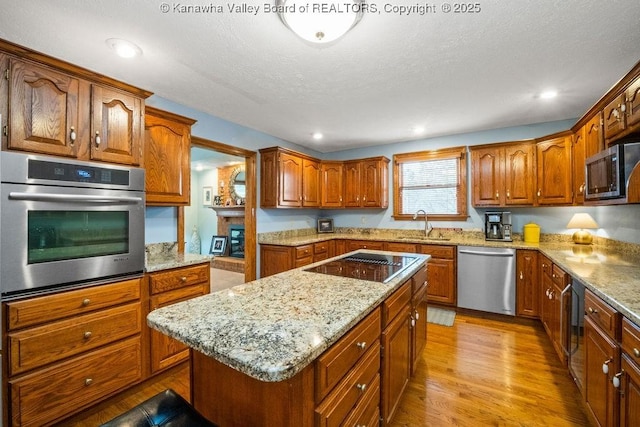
[582, 220]
[321, 22]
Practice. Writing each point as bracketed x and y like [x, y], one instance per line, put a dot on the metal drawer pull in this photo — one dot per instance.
[87, 335]
[72, 135]
[86, 302]
[183, 279]
[636, 352]
[361, 387]
[88, 381]
[593, 310]
[616, 380]
[361, 345]
[605, 366]
[97, 139]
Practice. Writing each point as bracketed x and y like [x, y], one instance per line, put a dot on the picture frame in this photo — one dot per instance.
[207, 196]
[218, 245]
[325, 225]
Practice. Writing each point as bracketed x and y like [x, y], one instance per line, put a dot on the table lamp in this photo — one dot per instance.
[582, 221]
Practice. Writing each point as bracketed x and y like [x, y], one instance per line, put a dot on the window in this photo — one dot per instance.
[435, 181]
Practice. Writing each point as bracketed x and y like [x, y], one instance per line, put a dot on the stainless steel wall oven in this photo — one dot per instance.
[67, 223]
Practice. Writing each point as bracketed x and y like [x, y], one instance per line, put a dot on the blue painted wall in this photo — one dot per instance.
[617, 222]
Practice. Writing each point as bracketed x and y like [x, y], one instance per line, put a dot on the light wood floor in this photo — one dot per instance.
[484, 372]
[480, 372]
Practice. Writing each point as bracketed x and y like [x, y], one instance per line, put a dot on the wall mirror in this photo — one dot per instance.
[237, 188]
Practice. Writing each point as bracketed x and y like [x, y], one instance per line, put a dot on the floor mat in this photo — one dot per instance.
[440, 316]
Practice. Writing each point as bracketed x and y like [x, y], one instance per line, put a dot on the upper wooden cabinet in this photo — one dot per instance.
[288, 179]
[593, 136]
[332, 179]
[622, 115]
[554, 177]
[167, 153]
[56, 108]
[503, 174]
[366, 183]
[578, 158]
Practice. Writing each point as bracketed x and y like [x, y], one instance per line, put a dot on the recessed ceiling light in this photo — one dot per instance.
[418, 130]
[317, 136]
[124, 48]
[549, 94]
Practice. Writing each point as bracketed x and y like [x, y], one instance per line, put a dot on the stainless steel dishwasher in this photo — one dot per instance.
[487, 279]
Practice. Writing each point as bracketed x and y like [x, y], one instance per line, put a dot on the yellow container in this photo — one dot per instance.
[531, 233]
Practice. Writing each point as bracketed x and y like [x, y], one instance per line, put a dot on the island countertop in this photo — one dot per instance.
[271, 328]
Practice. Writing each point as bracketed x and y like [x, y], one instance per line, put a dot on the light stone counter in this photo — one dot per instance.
[164, 256]
[271, 328]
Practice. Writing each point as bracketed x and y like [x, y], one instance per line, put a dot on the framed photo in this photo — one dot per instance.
[325, 225]
[218, 245]
[207, 196]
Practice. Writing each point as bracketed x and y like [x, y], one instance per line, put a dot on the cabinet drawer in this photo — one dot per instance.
[559, 276]
[631, 340]
[334, 363]
[178, 278]
[396, 303]
[321, 248]
[51, 393]
[304, 251]
[545, 265]
[344, 398]
[367, 412]
[178, 295]
[438, 251]
[45, 344]
[602, 314]
[419, 279]
[35, 311]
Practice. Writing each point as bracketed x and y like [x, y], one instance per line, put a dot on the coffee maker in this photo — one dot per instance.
[497, 226]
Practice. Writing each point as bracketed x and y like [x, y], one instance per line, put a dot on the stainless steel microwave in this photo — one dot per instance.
[607, 172]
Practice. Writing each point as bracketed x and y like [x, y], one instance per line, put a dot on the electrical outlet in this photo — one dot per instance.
[363, 220]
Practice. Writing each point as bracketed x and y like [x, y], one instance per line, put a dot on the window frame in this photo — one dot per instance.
[442, 154]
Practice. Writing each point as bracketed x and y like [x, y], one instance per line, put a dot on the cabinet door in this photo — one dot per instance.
[290, 185]
[167, 154]
[166, 351]
[601, 397]
[116, 126]
[352, 184]
[419, 330]
[554, 177]
[310, 183]
[614, 118]
[630, 396]
[488, 180]
[519, 175]
[375, 185]
[332, 183]
[275, 259]
[396, 362]
[527, 285]
[578, 151]
[633, 104]
[593, 137]
[546, 304]
[44, 110]
[442, 281]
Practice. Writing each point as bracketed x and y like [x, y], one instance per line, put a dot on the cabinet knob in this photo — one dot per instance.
[183, 279]
[539, 192]
[361, 345]
[521, 276]
[87, 335]
[86, 302]
[361, 387]
[592, 310]
[605, 366]
[97, 138]
[72, 135]
[417, 315]
[636, 352]
[88, 381]
[581, 189]
[497, 195]
[508, 194]
[616, 380]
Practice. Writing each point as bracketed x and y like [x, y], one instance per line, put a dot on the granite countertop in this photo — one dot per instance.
[164, 256]
[272, 328]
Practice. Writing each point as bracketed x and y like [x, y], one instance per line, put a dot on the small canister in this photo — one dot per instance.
[531, 233]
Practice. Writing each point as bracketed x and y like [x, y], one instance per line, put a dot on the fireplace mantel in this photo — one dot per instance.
[229, 211]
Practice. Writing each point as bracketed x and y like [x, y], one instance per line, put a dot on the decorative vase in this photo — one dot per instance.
[194, 245]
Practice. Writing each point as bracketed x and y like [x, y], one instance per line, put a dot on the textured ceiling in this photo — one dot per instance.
[449, 73]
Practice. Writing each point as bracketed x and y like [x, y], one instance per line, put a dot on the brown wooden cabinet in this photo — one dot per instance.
[166, 159]
[630, 375]
[288, 179]
[527, 284]
[332, 183]
[64, 348]
[441, 274]
[554, 170]
[622, 114]
[503, 174]
[593, 136]
[555, 305]
[418, 317]
[55, 112]
[169, 287]
[578, 151]
[354, 245]
[366, 183]
[602, 360]
[275, 259]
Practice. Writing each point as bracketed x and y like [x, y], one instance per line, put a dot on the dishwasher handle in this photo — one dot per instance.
[563, 314]
[496, 254]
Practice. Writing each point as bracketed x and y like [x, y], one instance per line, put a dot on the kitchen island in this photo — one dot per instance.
[256, 345]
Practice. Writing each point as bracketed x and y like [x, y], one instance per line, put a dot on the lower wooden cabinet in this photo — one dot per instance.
[275, 259]
[169, 287]
[527, 284]
[630, 378]
[441, 271]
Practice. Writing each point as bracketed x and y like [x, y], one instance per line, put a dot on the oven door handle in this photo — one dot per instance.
[72, 198]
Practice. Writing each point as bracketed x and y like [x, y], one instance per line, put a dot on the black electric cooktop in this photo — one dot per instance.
[366, 266]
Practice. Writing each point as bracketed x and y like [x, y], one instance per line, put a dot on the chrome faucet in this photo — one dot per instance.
[427, 228]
